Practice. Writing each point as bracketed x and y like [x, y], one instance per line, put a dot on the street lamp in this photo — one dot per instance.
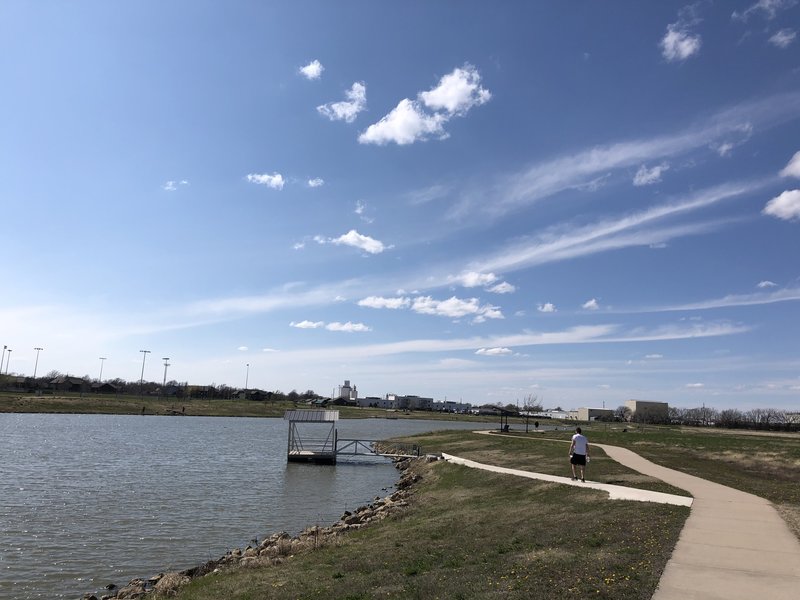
[2, 356]
[36, 365]
[102, 359]
[8, 360]
[247, 377]
[141, 379]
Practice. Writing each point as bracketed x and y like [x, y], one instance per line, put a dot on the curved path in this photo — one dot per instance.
[734, 545]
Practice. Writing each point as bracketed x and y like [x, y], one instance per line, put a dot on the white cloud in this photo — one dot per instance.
[471, 279]
[793, 168]
[172, 186]
[591, 304]
[679, 43]
[502, 288]
[547, 307]
[381, 302]
[645, 176]
[360, 207]
[307, 324]
[455, 308]
[274, 180]
[346, 110]
[654, 356]
[299, 246]
[405, 124]
[312, 70]
[357, 240]
[409, 122]
[347, 327]
[766, 8]
[268, 350]
[695, 385]
[638, 229]
[786, 206]
[783, 38]
[316, 182]
[493, 351]
[243, 348]
[766, 284]
[457, 92]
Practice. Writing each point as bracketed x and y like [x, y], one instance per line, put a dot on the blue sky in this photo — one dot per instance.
[585, 202]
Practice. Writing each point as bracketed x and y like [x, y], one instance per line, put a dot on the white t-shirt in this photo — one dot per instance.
[580, 442]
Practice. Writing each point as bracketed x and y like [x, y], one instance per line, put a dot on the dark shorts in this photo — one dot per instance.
[578, 459]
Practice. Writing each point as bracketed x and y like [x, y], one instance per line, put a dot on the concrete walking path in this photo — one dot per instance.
[734, 545]
[615, 492]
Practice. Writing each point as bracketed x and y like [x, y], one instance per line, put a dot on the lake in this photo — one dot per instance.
[88, 500]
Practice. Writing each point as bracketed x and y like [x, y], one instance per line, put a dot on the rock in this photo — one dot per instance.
[169, 584]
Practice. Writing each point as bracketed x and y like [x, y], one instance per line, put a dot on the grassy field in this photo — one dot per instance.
[473, 534]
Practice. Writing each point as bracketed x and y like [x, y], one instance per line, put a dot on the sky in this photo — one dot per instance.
[579, 203]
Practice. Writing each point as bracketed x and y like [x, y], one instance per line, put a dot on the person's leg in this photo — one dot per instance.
[573, 470]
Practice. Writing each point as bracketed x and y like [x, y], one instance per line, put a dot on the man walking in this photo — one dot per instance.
[578, 453]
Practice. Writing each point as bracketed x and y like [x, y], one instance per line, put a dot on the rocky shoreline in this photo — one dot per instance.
[276, 548]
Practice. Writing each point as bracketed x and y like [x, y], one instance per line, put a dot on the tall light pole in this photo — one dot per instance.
[166, 364]
[8, 360]
[247, 377]
[102, 361]
[36, 365]
[141, 379]
[2, 356]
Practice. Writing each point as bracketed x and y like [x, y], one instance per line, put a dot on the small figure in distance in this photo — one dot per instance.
[578, 453]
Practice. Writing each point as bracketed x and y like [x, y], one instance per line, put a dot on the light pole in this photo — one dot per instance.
[8, 360]
[247, 377]
[102, 360]
[166, 364]
[36, 365]
[2, 356]
[141, 379]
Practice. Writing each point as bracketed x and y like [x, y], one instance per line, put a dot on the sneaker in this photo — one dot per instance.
[574, 479]
[583, 480]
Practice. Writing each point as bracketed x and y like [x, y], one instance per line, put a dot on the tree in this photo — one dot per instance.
[622, 413]
[531, 403]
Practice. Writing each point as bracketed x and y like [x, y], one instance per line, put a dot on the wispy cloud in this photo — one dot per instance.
[312, 70]
[271, 180]
[502, 288]
[783, 38]
[768, 9]
[410, 121]
[346, 110]
[632, 230]
[307, 324]
[316, 182]
[645, 176]
[172, 185]
[547, 307]
[731, 300]
[348, 327]
[470, 279]
[766, 284]
[575, 171]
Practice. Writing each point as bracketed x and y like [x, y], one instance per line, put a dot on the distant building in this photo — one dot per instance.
[347, 393]
[594, 414]
[648, 412]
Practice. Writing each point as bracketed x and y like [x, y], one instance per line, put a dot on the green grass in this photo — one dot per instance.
[473, 534]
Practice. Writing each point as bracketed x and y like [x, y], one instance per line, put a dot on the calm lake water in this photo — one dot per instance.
[87, 500]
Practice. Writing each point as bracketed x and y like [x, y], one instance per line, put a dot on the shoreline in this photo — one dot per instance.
[278, 547]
